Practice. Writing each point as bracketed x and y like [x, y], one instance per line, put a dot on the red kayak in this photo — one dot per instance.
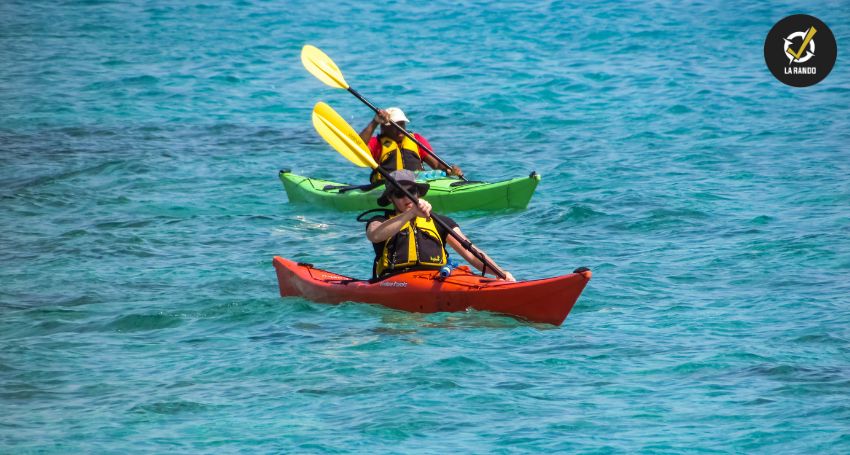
[548, 300]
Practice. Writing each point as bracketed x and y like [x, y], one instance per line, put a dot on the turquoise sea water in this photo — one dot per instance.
[140, 209]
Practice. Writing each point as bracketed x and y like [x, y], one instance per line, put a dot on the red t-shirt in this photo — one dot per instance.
[375, 147]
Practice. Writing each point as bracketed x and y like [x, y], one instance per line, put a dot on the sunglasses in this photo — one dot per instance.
[398, 194]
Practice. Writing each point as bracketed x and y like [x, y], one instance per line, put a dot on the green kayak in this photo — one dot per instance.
[447, 194]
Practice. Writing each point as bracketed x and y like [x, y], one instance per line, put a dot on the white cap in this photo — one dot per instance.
[397, 115]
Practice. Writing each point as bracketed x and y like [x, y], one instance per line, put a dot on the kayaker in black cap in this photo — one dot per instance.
[407, 238]
[393, 150]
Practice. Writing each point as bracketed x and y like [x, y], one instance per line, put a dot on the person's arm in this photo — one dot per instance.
[369, 130]
[431, 161]
[474, 261]
[380, 231]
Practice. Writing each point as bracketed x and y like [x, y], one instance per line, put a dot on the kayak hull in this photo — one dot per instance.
[445, 194]
[546, 301]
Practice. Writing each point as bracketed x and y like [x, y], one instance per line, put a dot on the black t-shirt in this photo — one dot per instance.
[379, 247]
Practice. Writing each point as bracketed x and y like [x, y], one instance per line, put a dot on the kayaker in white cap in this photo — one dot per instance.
[393, 150]
[406, 238]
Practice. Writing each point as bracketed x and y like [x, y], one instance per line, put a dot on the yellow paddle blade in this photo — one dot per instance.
[321, 66]
[341, 136]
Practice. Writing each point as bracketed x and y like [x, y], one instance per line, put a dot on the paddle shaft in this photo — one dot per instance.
[464, 242]
[404, 131]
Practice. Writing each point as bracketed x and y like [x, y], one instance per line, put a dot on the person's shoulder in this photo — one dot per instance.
[379, 216]
[422, 140]
[374, 215]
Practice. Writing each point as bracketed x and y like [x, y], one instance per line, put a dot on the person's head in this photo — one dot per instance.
[406, 179]
[390, 131]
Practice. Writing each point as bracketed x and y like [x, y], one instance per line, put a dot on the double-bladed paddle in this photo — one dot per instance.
[342, 137]
[320, 65]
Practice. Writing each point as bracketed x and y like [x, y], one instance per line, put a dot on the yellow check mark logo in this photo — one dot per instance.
[809, 35]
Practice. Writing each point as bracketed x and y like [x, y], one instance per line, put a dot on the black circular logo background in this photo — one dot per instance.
[778, 60]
